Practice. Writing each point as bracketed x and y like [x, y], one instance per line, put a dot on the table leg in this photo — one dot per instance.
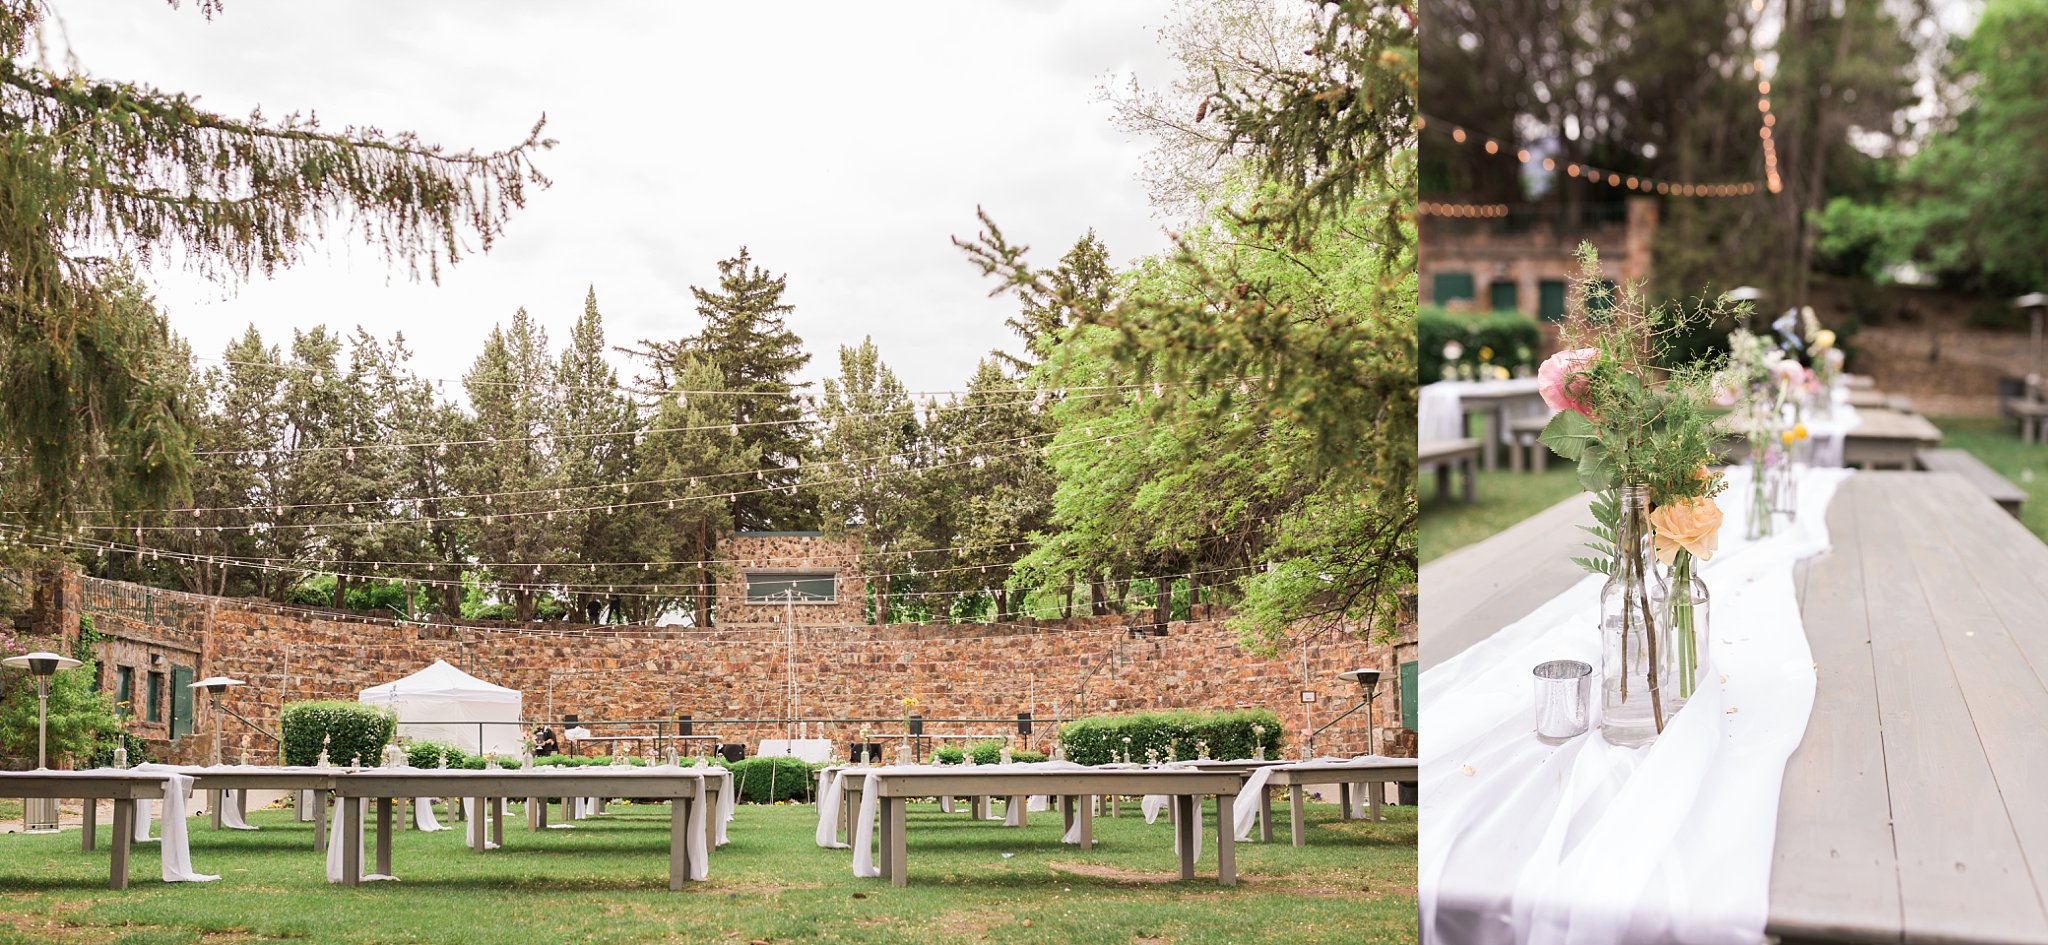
[384, 817]
[678, 842]
[1489, 426]
[1372, 796]
[1067, 813]
[568, 812]
[1344, 799]
[351, 841]
[1187, 825]
[124, 833]
[1088, 824]
[213, 799]
[1226, 840]
[476, 823]
[710, 838]
[242, 805]
[898, 875]
[498, 821]
[887, 814]
[91, 813]
[318, 808]
[1266, 814]
[1295, 803]
[1116, 806]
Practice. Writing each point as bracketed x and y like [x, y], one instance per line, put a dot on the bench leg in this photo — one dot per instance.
[1372, 795]
[1296, 804]
[318, 808]
[91, 813]
[498, 821]
[1266, 815]
[351, 841]
[213, 802]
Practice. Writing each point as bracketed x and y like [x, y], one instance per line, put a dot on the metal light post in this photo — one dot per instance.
[39, 815]
[1368, 680]
[214, 686]
[2036, 305]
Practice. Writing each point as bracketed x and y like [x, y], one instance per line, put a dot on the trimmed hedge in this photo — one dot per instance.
[1515, 338]
[1228, 735]
[353, 731]
[767, 780]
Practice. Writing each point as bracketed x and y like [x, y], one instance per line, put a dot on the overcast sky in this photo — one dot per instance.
[843, 143]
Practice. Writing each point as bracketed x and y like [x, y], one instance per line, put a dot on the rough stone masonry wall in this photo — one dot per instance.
[1088, 665]
[795, 552]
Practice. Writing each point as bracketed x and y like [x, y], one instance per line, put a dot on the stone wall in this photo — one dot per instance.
[1529, 254]
[737, 682]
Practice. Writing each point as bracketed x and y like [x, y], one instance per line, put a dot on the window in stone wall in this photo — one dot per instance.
[801, 587]
[156, 698]
[124, 688]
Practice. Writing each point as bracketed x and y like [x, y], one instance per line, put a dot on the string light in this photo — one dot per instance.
[1618, 180]
[1487, 211]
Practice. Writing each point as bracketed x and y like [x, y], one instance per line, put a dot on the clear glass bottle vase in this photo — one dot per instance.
[1638, 668]
[1686, 609]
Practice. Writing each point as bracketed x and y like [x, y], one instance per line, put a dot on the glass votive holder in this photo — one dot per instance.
[1564, 690]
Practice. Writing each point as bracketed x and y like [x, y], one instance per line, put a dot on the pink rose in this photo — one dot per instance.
[1563, 382]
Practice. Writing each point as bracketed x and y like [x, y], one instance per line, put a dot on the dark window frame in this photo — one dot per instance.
[786, 579]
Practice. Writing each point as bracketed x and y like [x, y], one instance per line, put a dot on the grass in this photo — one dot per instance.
[1993, 441]
[606, 882]
[1504, 499]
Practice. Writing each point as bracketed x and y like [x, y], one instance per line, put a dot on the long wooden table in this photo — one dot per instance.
[1295, 777]
[241, 779]
[1912, 810]
[1076, 789]
[682, 788]
[123, 788]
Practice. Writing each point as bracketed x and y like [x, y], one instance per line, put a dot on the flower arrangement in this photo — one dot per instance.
[1642, 430]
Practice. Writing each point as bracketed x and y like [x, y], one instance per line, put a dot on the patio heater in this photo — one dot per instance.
[39, 814]
[2035, 304]
[214, 686]
[1368, 680]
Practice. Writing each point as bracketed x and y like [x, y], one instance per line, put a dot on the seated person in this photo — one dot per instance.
[544, 742]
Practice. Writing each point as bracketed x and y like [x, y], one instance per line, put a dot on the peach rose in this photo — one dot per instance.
[1692, 524]
[1562, 380]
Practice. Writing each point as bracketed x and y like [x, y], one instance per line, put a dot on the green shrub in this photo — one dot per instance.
[1515, 338]
[101, 754]
[950, 755]
[428, 755]
[352, 732]
[770, 779]
[1227, 735]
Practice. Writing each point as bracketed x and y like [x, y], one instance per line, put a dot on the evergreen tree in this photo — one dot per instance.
[692, 457]
[994, 490]
[1083, 280]
[424, 476]
[747, 340]
[594, 434]
[240, 424]
[512, 391]
[867, 473]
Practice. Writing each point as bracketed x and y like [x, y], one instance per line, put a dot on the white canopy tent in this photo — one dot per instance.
[453, 701]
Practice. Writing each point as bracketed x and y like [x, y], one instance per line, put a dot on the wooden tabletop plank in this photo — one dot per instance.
[1833, 871]
[1962, 874]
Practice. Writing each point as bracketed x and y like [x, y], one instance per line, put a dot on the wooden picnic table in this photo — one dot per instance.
[682, 788]
[1075, 788]
[1294, 777]
[1888, 438]
[1911, 810]
[124, 788]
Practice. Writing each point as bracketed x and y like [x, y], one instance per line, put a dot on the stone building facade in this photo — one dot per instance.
[1522, 261]
[745, 683]
[806, 578]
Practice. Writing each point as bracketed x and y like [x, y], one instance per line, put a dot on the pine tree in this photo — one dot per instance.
[694, 458]
[594, 433]
[1083, 280]
[512, 391]
[994, 490]
[747, 340]
[867, 472]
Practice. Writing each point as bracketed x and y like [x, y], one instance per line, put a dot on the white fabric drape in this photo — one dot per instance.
[144, 810]
[423, 818]
[231, 813]
[829, 803]
[1250, 800]
[177, 853]
[726, 804]
[1152, 804]
[1588, 843]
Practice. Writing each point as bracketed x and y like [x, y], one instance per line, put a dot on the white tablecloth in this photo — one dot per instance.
[1441, 414]
[1588, 843]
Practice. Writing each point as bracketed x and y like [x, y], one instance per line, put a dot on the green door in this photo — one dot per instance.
[1550, 300]
[181, 701]
[1409, 681]
[1500, 296]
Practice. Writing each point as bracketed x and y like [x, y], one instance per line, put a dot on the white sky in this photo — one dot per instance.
[843, 143]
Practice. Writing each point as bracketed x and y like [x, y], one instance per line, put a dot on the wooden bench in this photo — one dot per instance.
[1449, 455]
[2032, 416]
[2000, 489]
[1527, 433]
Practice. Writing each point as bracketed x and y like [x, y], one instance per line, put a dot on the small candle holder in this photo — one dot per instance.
[1563, 700]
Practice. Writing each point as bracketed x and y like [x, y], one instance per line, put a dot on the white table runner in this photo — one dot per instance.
[1587, 843]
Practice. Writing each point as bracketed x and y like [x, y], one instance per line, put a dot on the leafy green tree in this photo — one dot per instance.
[867, 469]
[79, 714]
[426, 478]
[240, 425]
[97, 171]
[746, 338]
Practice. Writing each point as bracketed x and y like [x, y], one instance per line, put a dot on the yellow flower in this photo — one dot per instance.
[1799, 431]
[1485, 353]
[910, 702]
[1823, 340]
[1691, 524]
[1786, 437]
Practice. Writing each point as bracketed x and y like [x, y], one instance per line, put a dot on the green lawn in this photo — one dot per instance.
[1504, 499]
[606, 882]
[1994, 442]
